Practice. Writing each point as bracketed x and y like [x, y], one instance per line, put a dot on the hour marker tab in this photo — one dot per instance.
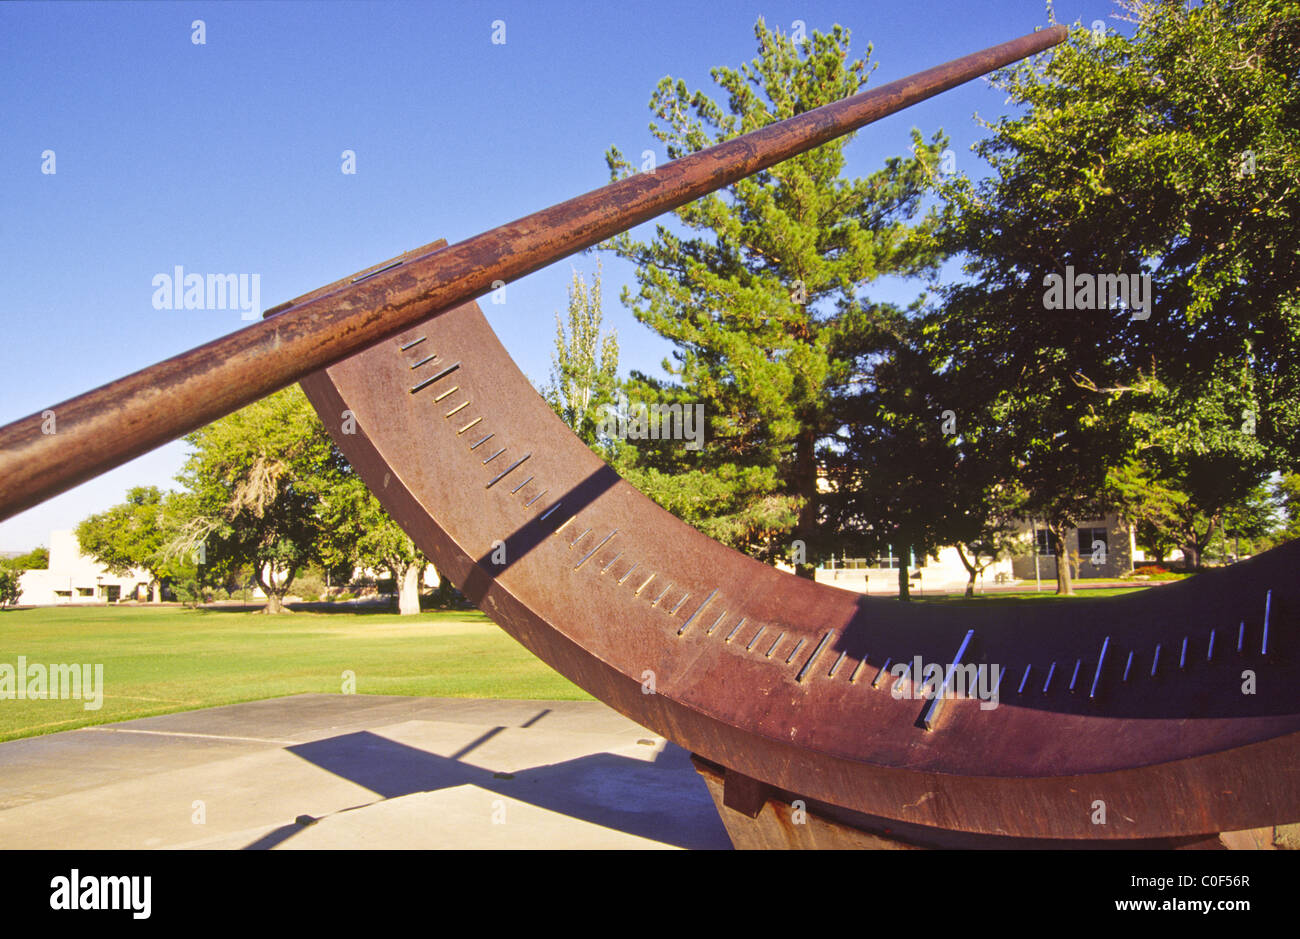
[735, 629]
[433, 378]
[1263, 644]
[1101, 660]
[507, 471]
[698, 611]
[930, 713]
[602, 544]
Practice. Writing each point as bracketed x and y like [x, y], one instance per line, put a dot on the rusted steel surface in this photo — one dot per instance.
[779, 679]
[790, 820]
[116, 422]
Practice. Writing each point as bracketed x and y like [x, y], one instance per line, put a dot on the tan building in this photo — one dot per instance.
[72, 577]
[1101, 548]
[1108, 542]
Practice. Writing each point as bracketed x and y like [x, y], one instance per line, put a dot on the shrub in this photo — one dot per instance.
[8, 587]
[1149, 570]
[189, 592]
[309, 585]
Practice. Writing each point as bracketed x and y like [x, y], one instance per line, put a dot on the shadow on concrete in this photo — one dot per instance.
[617, 792]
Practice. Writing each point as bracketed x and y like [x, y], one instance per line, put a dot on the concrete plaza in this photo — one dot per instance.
[358, 771]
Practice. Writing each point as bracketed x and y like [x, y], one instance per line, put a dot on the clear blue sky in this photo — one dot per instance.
[225, 157]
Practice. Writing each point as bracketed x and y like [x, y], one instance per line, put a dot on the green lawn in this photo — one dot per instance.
[161, 660]
[169, 659]
[1017, 596]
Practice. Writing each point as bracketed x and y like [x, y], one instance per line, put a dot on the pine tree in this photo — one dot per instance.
[762, 295]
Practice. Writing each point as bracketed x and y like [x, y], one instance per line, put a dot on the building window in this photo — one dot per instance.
[1045, 543]
[854, 564]
[85, 591]
[887, 561]
[1088, 538]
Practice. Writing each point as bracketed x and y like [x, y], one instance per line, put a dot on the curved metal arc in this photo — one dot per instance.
[791, 681]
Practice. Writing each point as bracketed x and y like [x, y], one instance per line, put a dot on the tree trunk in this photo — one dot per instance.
[1201, 543]
[1064, 586]
[805, 470]
[1195, 544]
[971, 569]
[904, 588]
[442, 597]
[274, 592]
[408, 595]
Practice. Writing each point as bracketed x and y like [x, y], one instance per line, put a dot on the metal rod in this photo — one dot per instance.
[116, 422]
[1101, 661]
[930, 714]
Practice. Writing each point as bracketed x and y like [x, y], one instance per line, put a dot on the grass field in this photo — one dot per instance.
[171, 659]
[161, 660]
[1018, 596]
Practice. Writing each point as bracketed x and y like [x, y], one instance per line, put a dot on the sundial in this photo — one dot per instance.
[1173, 710]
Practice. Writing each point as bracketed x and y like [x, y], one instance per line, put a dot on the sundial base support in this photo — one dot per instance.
[785, 821]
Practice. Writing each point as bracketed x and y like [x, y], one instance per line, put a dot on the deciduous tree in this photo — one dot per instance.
[584, 365]
[129, 536]
[1172, 155]
[253, 483]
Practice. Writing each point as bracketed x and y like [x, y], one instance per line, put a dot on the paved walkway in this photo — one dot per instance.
[358, 771]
